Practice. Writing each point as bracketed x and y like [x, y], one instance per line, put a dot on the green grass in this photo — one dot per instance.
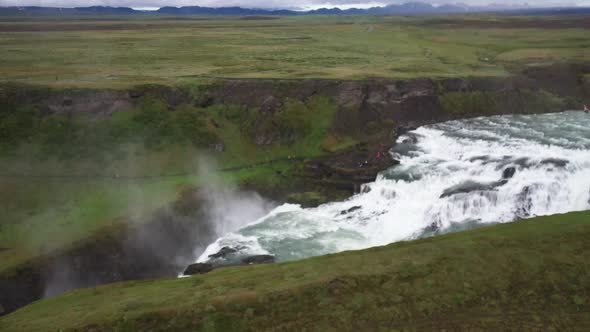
[527, 275]
[121, 52]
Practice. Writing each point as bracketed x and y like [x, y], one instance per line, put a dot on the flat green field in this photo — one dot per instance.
[528, 276]
[115, 51]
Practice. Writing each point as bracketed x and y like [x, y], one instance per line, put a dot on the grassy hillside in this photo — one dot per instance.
[117, 51]
[65, 176]
[527, 275]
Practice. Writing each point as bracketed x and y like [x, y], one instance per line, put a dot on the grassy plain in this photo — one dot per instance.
[527, 275]
[116, 52]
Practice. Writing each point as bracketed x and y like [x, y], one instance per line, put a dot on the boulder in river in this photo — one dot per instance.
[470, 186]
[555, 162]
[198, 268]
[224, 252]
[508, 173]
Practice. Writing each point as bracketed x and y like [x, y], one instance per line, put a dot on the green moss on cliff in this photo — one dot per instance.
[152, 124]
[498, 102]
[102, 165]
[462, 103]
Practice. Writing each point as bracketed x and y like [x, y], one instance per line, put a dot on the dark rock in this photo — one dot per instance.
[352, 209]
[224, 252]
[508, 173]
[198, 268]
[259, 259]
[67, 102]
[471, 186]
[555, 162]
[348, 170]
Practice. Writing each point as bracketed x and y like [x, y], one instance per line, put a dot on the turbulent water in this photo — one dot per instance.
[453, 176]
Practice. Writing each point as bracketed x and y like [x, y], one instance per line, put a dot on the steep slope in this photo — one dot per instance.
[527, 275]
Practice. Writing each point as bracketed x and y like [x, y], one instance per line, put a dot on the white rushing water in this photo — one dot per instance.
[450, 178]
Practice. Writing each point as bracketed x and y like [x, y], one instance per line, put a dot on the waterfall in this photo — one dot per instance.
[452, 176]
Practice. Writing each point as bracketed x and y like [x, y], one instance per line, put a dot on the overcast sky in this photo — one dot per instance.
[293, 4]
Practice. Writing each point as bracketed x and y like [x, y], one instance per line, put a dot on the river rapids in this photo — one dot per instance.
[452, 176]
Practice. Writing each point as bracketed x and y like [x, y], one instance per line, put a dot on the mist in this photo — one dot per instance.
[229, 208]
[160, 242]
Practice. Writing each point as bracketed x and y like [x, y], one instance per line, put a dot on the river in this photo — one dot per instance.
[452, 176]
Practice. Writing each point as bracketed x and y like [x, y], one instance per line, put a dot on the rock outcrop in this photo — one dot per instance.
[508, 173]
[198, 268]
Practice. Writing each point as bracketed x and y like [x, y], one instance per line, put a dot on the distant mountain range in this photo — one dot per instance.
[411, 8]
